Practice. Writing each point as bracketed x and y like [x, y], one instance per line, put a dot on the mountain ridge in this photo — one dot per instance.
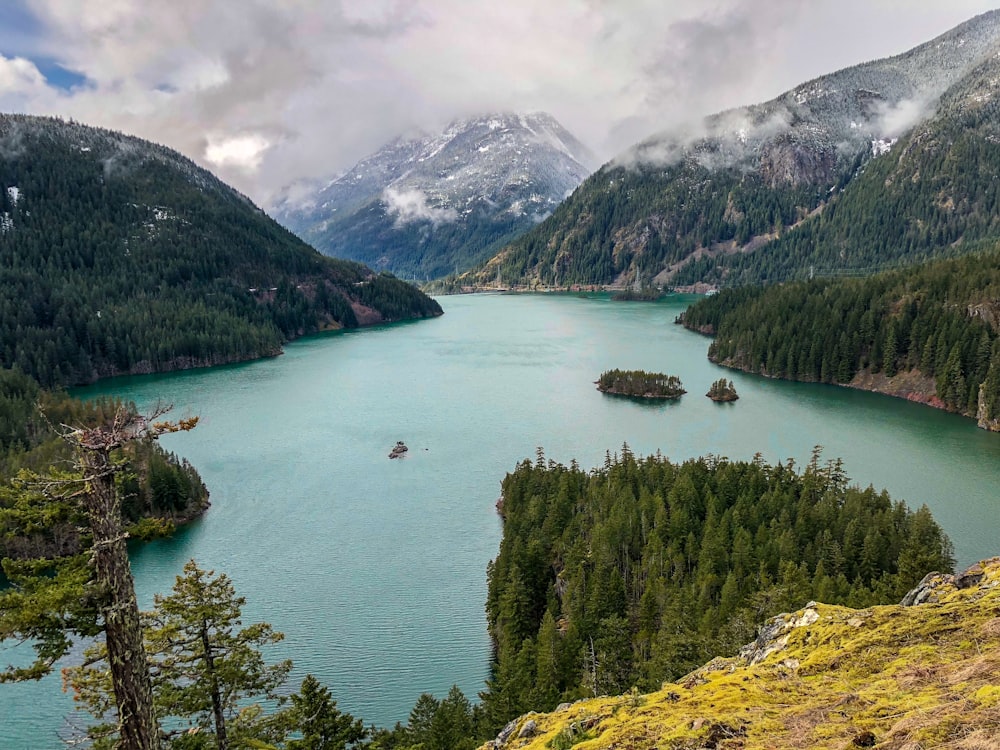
[744, 177]
[425, 205]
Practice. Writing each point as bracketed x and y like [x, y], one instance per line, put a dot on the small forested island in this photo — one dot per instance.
[722, 390]
[646, 294]
[640, 384]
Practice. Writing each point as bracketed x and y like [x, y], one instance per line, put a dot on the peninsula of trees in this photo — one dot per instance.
[640, 384]
[157, 490]
[641, 570]
[930, 333]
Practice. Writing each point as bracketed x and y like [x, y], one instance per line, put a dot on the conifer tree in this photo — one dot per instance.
[314, 716]
[205, 667]
[52, 600]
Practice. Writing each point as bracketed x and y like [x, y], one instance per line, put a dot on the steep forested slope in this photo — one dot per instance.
[930, 332]
[117, 256]
[819, 168]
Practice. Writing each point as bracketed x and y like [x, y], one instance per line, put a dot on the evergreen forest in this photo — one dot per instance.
[940, 320]
[637, 572]
[120, 256]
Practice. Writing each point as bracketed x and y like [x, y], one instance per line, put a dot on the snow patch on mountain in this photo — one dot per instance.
[494, 175]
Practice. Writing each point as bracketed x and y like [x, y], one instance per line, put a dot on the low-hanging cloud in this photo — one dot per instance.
[323, 84]
[894, 121]
[408, 206]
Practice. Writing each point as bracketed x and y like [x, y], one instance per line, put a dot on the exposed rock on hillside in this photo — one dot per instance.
[894, 677]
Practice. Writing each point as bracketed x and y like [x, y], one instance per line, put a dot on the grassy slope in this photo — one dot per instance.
[914, 677]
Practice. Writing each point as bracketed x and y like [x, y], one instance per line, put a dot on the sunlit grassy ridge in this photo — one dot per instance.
[904, 678]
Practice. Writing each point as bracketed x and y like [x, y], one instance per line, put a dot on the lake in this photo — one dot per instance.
[375, 569]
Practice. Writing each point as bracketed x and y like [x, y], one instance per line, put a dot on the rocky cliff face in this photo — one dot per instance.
[920, 674]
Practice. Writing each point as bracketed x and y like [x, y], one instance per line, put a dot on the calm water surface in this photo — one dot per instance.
[375, 569]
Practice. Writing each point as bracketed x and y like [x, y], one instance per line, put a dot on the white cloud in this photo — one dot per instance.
[409, 206]
[893, 121]
[323, 84]
[19, 76]
[242, 152]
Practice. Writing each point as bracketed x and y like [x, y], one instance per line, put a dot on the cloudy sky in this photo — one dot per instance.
[265, 93]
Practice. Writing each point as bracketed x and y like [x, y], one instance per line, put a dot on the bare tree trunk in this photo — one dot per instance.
[126, 656]
[130, 677]
[221, 741]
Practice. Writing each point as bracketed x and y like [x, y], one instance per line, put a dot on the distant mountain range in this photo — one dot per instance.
[423, 207]
[882, 163]
[120, 256]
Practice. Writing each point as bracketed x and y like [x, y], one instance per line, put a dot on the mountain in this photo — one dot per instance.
[814, 178]
[120, 256]
[920, 674]
[423, 207]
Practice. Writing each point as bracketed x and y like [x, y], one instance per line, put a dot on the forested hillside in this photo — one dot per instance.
[939, 322]
[872, 166]
[639, 571]
[120, 256]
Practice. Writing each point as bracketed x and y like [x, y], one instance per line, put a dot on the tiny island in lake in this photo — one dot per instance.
[640, 384]
[722, 390]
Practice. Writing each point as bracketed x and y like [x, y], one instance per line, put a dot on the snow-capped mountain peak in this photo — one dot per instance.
[486, 178]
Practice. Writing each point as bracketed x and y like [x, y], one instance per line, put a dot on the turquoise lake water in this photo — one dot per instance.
[375, 569]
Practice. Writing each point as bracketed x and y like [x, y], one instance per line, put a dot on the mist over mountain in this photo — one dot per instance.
[711, 202]
[426, 206]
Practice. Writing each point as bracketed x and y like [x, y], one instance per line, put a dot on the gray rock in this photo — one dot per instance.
[530, 729]
[928, 589]
[505, 734]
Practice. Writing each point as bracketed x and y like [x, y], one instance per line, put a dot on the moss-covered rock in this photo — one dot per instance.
[899, 677]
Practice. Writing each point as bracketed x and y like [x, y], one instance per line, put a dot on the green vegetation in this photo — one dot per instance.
[646, 294]
[722, 390]
[208, 669]
[157, 490]
[205, 666]
[640, 384]
[940, 320]
[838, 678]
[641, 570]
[818, 197]
[120, 256]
